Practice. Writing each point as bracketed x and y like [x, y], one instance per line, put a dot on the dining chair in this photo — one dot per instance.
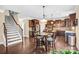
[40, 44]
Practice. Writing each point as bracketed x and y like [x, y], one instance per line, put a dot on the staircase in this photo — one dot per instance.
[12, 34]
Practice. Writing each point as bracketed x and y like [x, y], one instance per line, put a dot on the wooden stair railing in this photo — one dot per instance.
[5, 34]
[21, 30]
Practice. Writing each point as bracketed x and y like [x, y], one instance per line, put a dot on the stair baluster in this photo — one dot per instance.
[5, 34]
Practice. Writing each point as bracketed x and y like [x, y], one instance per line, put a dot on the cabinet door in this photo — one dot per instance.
[30, 23]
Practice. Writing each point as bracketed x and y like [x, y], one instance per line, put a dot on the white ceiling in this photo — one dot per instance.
[36, 11]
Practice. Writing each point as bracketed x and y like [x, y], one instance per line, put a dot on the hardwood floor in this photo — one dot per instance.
[28, 47]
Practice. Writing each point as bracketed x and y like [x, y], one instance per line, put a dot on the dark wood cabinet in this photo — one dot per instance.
[34, 27]
[49, 25]
[71, 21]
[72, 16]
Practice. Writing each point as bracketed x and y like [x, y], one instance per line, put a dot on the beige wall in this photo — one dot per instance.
[77, 27]
[26, 28]
[2, 17]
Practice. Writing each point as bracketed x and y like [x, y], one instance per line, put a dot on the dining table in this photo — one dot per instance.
[43, 37]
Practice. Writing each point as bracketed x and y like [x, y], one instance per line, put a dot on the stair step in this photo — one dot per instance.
[10, 23]
[11, 29]
[10, 37]
[14, 42]
[11, 32]
[10, 26]
[13, 39]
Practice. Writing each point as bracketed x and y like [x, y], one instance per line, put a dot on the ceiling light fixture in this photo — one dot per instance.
[44, 20]
[43, 13]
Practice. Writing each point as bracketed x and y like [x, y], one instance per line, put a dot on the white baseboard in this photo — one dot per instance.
[1, 43]
[25, 36]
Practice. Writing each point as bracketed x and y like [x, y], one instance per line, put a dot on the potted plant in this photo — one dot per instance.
[65, 52]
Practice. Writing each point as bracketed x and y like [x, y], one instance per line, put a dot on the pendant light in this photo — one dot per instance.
[43, 12]
[44, 20]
